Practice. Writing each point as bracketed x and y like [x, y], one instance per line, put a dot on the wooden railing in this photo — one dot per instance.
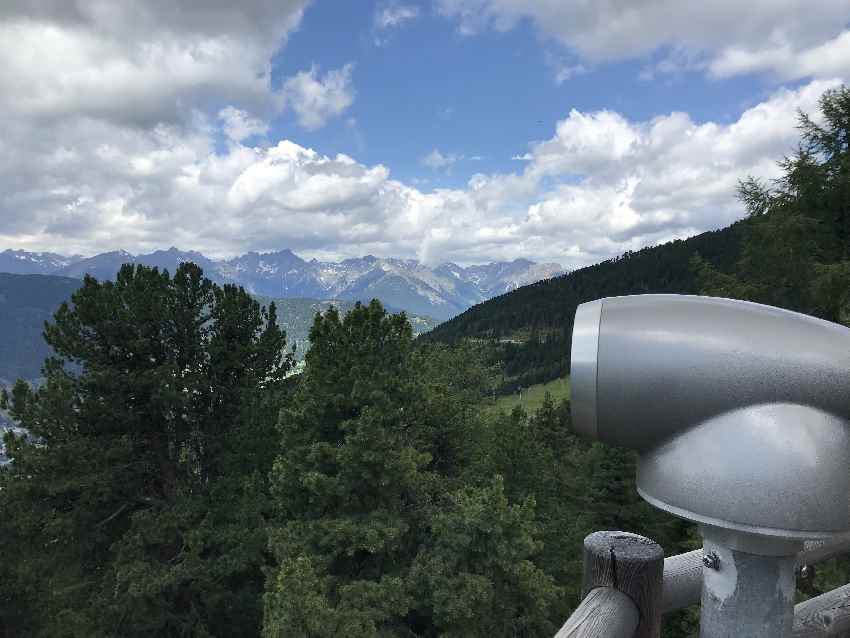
[629, 585]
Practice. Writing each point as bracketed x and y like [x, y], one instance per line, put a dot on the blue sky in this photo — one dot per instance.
[489, 95]
[462, 130]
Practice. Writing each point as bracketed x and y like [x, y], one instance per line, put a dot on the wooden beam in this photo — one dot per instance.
[604, 613]
[824, 615]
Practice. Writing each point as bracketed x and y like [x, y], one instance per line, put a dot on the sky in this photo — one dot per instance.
[469, 131]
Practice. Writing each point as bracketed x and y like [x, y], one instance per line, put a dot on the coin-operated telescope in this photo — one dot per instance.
[740, 414]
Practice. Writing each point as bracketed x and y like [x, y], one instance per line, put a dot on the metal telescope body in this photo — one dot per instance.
[740, 414]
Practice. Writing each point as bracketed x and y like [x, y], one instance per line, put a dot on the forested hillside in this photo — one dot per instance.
[529, 329]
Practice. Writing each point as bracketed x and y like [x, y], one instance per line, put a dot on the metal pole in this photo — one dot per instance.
[748, 585]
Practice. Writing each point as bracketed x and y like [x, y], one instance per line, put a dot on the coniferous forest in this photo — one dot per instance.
[177, 481]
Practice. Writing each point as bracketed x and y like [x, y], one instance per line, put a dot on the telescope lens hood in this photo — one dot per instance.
[583, 368]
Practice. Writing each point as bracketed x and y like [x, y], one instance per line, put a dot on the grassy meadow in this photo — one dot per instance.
[531, 398]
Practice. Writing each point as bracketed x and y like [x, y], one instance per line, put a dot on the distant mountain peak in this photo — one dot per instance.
[441, 292]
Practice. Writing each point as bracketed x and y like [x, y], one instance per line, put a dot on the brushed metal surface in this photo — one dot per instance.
[739, 411]
[771, 469]
[748, 595]
[583, 357]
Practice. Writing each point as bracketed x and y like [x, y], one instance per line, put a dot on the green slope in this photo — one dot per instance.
[531, 398]
[531, 327]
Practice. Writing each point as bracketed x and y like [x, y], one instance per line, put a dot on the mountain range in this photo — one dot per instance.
[441, 292]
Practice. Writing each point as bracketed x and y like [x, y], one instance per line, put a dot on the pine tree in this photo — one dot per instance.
[349, 482]
[379, 498]
[127, 513]
[796, 252]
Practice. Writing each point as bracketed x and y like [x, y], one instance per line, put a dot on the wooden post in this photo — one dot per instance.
[631, 564]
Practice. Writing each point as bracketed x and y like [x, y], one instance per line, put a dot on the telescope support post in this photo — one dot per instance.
[748, 585]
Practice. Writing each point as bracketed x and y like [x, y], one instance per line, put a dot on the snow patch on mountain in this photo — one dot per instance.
[440, 292]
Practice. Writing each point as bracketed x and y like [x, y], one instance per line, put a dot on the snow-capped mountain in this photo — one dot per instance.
[21, 262]
[498, 278]
[440, 292]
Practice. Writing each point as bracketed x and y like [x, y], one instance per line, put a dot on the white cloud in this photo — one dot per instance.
[390, 17]
[567, 72]
[136, 62]
[586, 144]
[395, 15]
[829, 58]
[770, 35]
[238, 125]
[600, 185]
[563, 69]
[436, 160]
[315, 98]
[87, 167]
[288, 177]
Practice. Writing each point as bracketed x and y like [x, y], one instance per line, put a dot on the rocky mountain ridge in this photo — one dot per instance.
[441, 292]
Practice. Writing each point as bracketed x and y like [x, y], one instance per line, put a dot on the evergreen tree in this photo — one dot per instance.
[373, 516]
[796, 252]
[128, 512]
[348, 480]
[479, 573]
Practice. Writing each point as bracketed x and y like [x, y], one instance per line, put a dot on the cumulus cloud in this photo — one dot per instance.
[288, 177]
[85, 167]
[771, 35]
[134, 63]
[316, 98]
[600, 185]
